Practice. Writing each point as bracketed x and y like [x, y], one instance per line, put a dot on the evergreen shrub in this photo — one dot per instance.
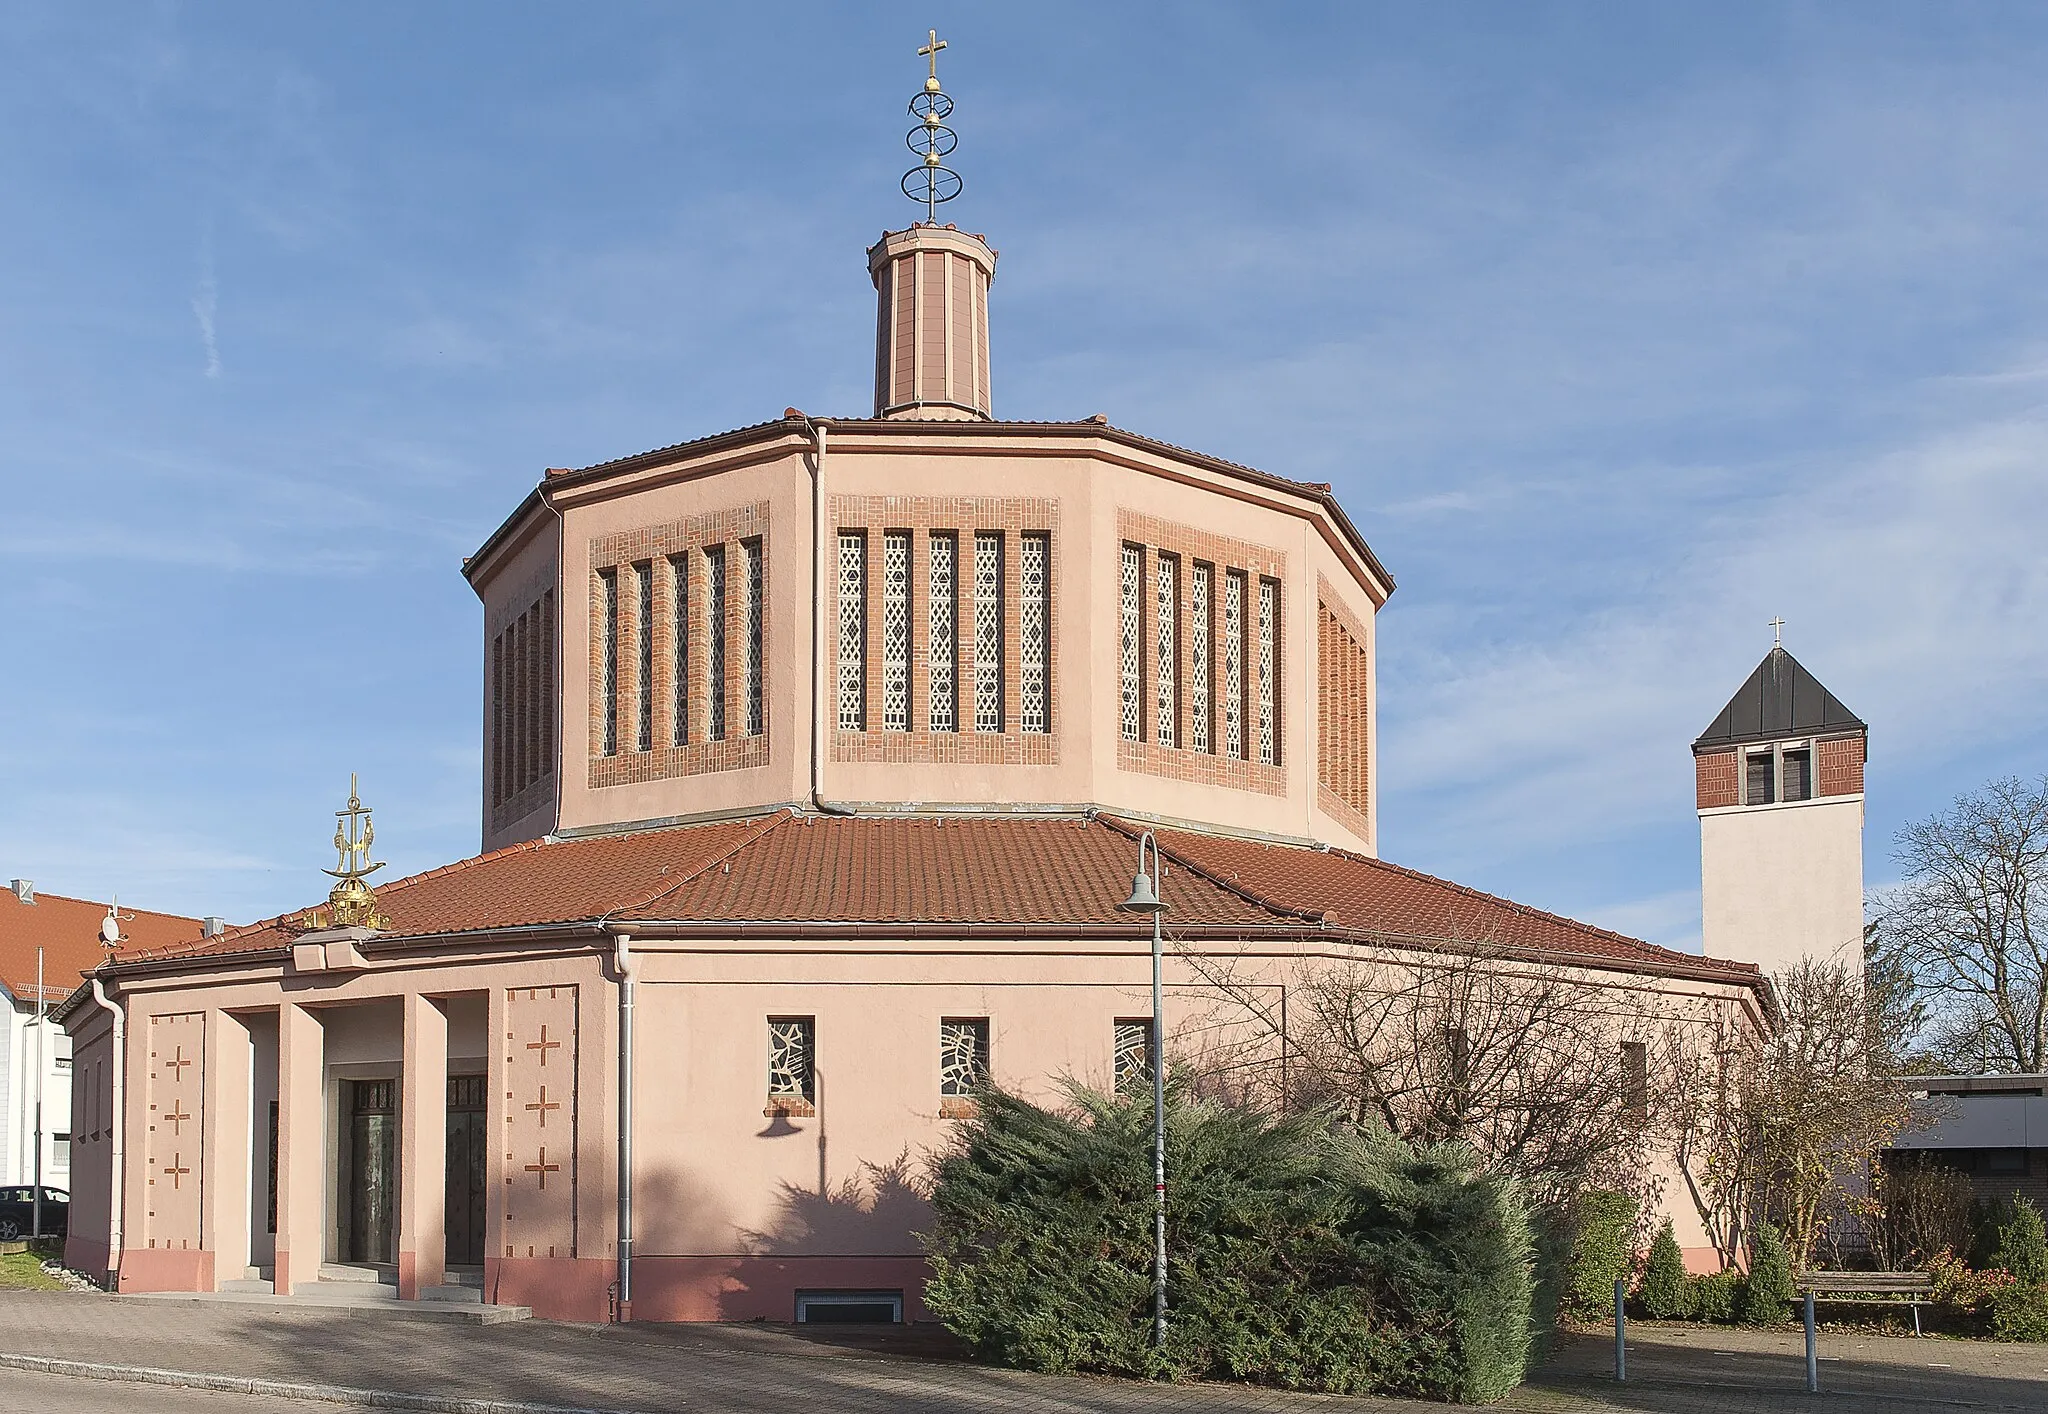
[1602, 1225]
[1767, 1294]
[1714, 1296]
[1665, 1294]
[2020, 1311]
[1301, 1253]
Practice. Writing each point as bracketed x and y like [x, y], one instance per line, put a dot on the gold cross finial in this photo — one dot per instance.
[351, 903]
[1777, 627]
[931, 51]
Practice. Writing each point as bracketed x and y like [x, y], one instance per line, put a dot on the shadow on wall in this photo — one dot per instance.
[875, 1213]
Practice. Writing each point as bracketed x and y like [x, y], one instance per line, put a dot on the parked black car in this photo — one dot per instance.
[17, 1215]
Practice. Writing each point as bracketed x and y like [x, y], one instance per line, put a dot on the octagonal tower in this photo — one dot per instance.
[929, 611]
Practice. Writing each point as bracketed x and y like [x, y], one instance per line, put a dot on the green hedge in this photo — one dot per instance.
[1301, 1254]
[1602, 1227]
[1664, 1295]
[1765, 1298]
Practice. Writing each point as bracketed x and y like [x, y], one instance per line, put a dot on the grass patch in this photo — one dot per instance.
[23, 1271]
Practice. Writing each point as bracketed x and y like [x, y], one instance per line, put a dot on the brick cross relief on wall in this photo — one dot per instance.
[539, 1120]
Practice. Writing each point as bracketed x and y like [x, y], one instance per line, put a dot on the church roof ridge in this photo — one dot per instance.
[1781, 698]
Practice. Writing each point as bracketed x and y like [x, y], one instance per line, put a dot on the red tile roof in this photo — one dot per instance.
[68, 932]
[960, 871]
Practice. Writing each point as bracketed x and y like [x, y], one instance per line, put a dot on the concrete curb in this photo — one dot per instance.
[280, 1389]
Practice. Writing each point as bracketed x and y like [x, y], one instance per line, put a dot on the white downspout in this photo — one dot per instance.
[117, 1125]
[628, 968]
[818, 582]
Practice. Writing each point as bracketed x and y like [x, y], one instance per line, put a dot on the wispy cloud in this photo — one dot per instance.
[205, 304]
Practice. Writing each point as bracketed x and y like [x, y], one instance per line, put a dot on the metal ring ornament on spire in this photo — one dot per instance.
[931, 184]
[931, 139]
[931, 105]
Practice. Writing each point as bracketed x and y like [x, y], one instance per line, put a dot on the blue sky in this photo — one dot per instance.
[1619, 330]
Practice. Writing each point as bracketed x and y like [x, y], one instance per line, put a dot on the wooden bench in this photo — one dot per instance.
[1914, 1288]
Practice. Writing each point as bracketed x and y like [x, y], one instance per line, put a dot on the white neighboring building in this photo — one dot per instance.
[1780, 791]
[67, 931]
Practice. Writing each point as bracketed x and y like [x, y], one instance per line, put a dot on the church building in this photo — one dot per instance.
[816, 758]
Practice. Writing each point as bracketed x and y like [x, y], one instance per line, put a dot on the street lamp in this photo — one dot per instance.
[1145, 899]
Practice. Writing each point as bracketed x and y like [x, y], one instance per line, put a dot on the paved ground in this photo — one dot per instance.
[780, 1370]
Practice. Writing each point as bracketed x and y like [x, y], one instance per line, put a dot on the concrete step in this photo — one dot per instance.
[359, 1272]
[465, 1276]
[345, 1304]
[470, 1295]
[248, 1284]
[259, 1274]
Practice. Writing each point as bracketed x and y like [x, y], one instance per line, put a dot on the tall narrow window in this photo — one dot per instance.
[1034, 633]
[1635, 1079]
[988, 631]
[643, 623]
[943, 601]
[853, 631]
[714, 641]
[1133, 1056]
[1130, 651]
[896, 631]
[1233, 664]
[608, 678]
[750, 649]
[792, 1044]
[963, 1056]
[1166, 640]
[1269, 661]
[529, 638]
[516, 646]
[545, 683]
[498, 720]
[679, 651]
[1199, 584]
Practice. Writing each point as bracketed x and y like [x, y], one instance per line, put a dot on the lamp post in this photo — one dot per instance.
[1145, 899]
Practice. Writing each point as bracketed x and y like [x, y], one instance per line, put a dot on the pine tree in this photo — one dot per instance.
[1663, 1293]
[2023, 1245]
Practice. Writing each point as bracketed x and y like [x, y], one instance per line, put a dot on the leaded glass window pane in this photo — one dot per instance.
[608, 680]
[1165, 636]
[853, 631]
[1233, 664]
[988, 631]
[1269, 648]
[1034, 634]
[896, 631]
[643, 624]
[1129, 623]
[750, 653]
[943, 607]
[498, 720]
[679, 576]
[963, 1056]
[547, 682]
[714, 641]
[1198, 656]
[791, 1057]
[1133, 1056]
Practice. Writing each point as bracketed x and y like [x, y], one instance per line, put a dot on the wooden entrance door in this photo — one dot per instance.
[373, 1170]
[466, 1154]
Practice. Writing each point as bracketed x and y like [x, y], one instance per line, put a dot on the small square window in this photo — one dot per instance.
[792, 1072]
[1133, 1055]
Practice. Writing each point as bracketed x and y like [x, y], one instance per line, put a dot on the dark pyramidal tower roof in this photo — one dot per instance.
[1780, 699]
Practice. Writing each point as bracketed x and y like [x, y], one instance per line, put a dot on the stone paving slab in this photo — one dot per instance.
[763, 1369]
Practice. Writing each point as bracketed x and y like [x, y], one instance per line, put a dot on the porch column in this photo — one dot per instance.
[225, 1144]
[301, 1147]
[423, 1149]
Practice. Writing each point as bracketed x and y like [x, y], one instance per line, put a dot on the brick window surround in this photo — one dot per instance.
[962, 518]
[1837, 770]
[520, 720]
[1343, 712]
[680, 547]
[1186, 548]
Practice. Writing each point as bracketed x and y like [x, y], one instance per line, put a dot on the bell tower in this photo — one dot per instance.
[1779, 778]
